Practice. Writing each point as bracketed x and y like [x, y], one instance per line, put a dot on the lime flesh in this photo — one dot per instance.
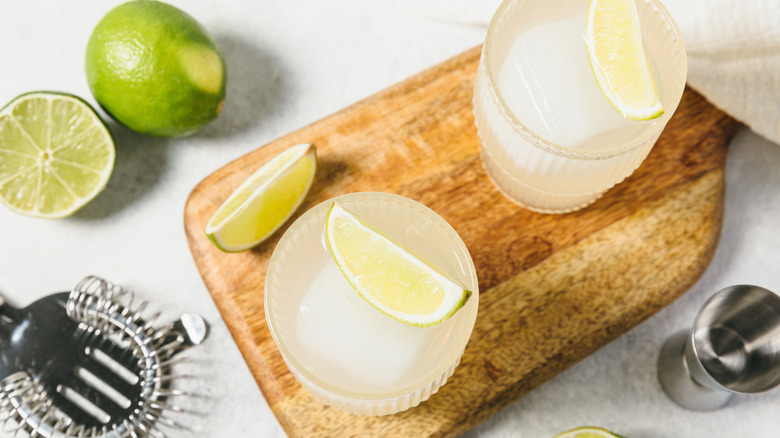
[55, 154]
[618, 61]
[588, 432]
[264, 201]
[390, 277]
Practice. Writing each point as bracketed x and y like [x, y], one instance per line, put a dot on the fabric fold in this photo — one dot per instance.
[733, 50]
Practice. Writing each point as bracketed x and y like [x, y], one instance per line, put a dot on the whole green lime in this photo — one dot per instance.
[155, 69]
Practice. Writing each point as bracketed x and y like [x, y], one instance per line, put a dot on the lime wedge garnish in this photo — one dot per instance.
[588, 432]
[618, 61]
[392, 278]
[262, 203]
[55, 154]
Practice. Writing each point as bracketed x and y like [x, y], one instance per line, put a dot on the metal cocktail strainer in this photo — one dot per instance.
[87, 364]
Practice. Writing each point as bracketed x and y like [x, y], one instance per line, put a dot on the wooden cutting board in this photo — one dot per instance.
[554, 288]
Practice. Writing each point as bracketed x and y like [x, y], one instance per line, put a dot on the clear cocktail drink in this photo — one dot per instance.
[550, 140]
[344, 351]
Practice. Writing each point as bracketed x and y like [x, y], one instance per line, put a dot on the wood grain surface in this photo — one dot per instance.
[554, 288]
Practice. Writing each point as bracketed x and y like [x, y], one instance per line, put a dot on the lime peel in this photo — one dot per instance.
[618, 61]
[264, 201]
[155, 69]
[389, 276]
[588, 432]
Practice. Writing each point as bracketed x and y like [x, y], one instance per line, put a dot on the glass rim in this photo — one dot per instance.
[543, 143]
[333, 392]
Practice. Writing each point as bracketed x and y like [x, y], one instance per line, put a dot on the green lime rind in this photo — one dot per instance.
[588, 432]
[216, 243]
[155, 69]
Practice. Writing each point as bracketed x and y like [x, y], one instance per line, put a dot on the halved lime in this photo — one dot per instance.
[262, 203]
[55, 154]
[392, 278]
[588, 432]
[617, 59]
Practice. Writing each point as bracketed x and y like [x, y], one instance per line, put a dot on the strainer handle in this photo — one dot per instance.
[193, 328]
[8, 313]
[6, 319]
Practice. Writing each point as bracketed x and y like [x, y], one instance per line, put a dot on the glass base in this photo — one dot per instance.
[532, 198]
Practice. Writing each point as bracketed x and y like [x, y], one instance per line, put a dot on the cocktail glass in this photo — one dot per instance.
[549, 139]
[342, 350]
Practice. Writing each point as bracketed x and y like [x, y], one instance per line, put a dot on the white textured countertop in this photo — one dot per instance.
[290, 63]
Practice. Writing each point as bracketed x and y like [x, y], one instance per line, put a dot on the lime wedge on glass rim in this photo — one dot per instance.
[264, 201]
[588, 432]
[56, 154]
[390, 277]
[617, 58]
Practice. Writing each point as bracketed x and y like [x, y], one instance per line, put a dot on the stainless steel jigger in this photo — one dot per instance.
[734, 347]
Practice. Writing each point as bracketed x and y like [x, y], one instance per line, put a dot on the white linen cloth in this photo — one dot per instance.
[733, 50]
